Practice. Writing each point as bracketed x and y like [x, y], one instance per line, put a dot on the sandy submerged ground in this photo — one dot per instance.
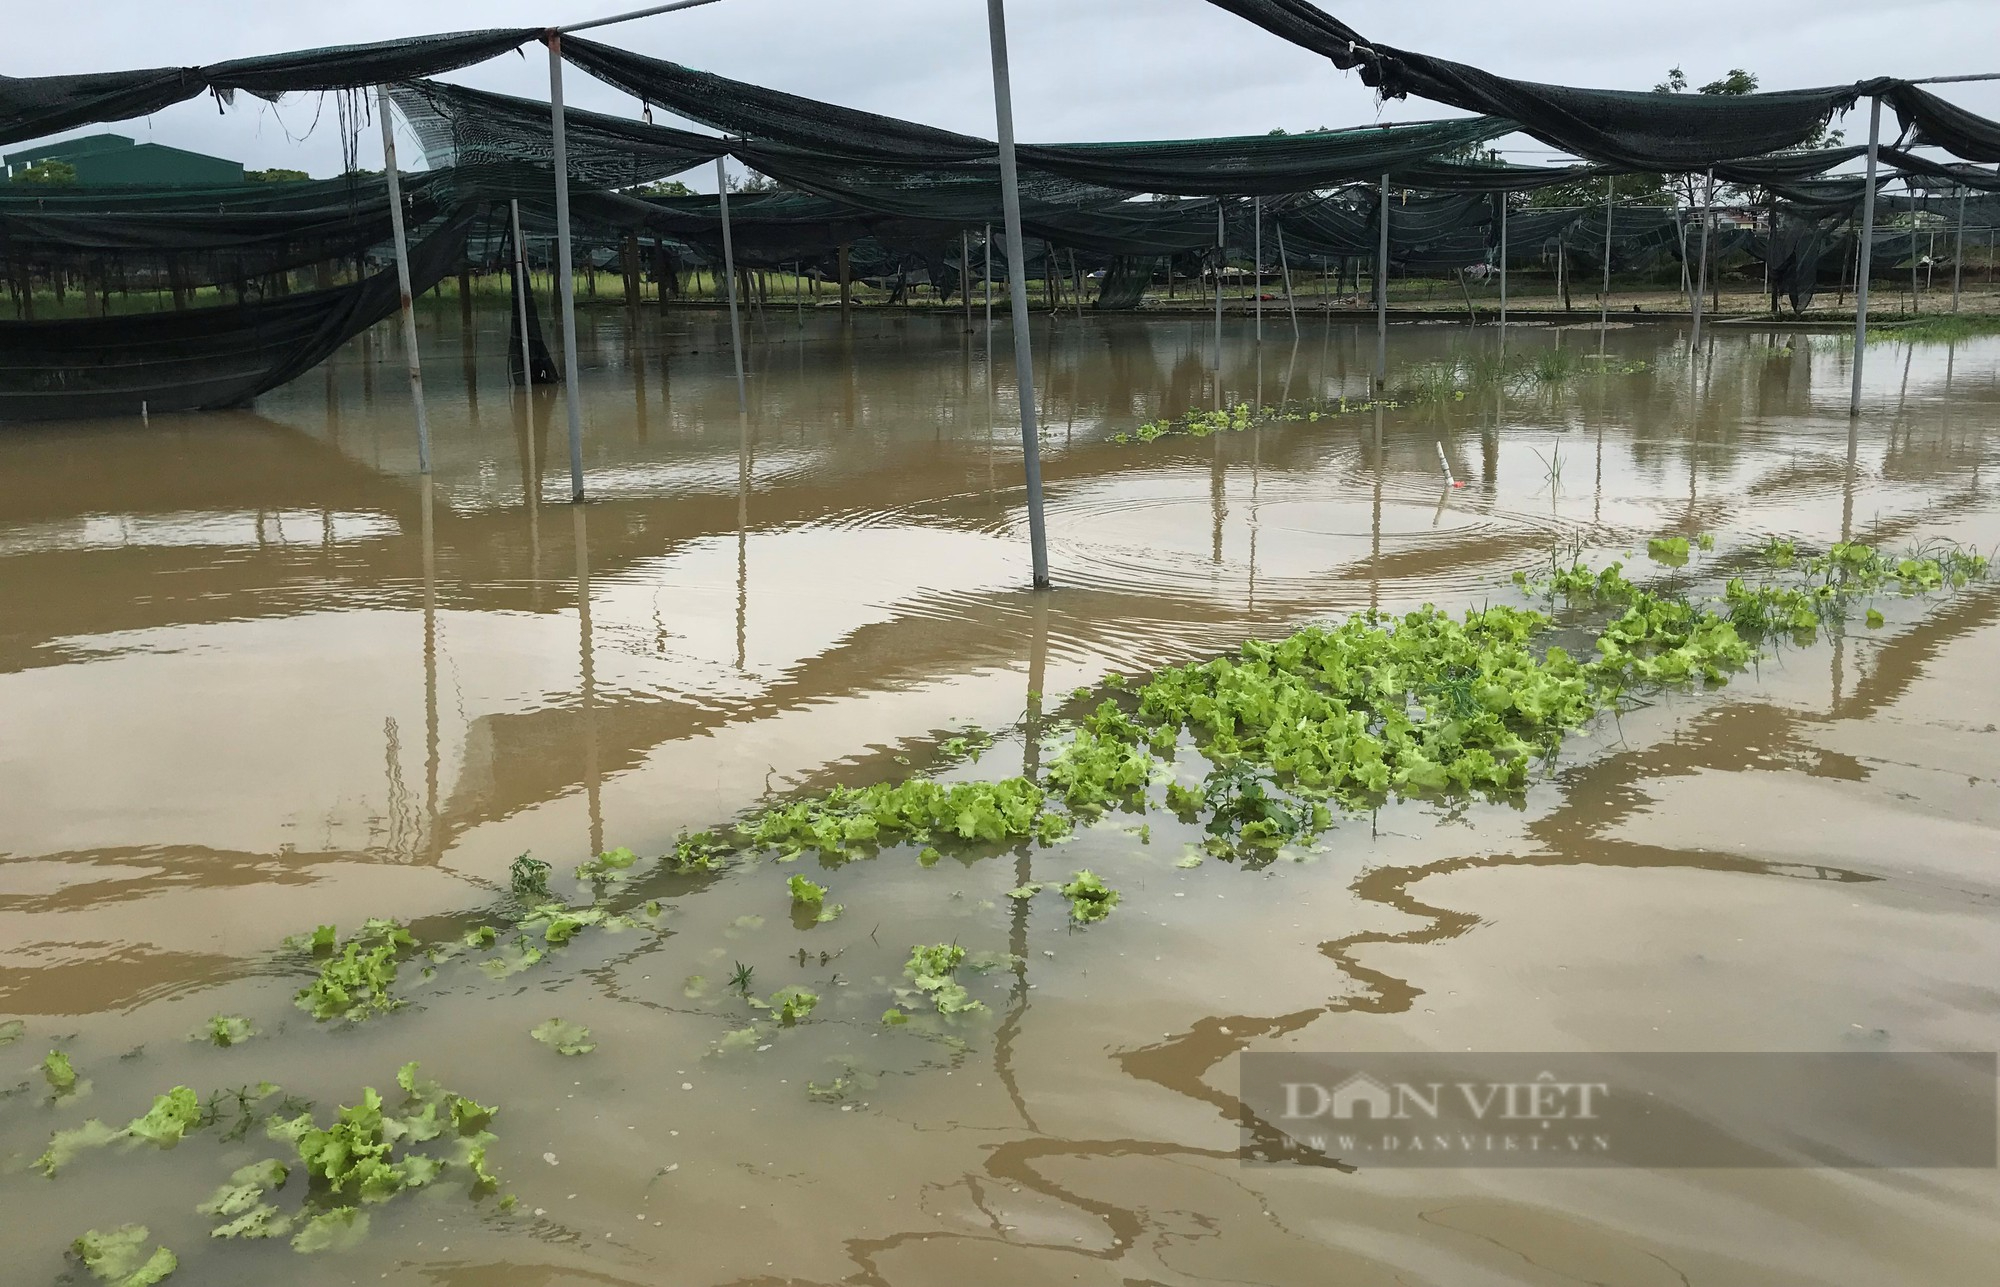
[260, 679]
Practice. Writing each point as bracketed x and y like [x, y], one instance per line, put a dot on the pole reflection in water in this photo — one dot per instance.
[587, 670]
[1375, 521]
[742, 536]
[432, 840]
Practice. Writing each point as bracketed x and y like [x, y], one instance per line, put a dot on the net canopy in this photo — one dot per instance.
[1964, 134]
[743, 110]
[1454, 176]
[199, 237]
[1261, 165]
[1305, 25]
[205, 358]
[1346, 224]
[35, 106]
[480, 132]
[816, 145]
[1931, 174]
[1634, 129]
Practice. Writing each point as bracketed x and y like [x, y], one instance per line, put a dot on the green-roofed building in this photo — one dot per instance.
[102, 160]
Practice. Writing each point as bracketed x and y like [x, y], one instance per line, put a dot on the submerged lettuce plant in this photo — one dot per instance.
[809, 905]
[119, 1257]
[915, 810]
[363, 1157]
[612, 864]
[225, 1030]
[1090, 899]
[930, 970]
[564, 1037]
[163, 1125]
[59, 1073]
[355, 983]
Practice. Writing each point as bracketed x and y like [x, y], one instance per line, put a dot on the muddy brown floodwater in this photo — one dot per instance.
[254, 678]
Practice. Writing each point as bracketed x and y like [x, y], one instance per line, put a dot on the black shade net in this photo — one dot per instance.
[36, 106]
[202, 359]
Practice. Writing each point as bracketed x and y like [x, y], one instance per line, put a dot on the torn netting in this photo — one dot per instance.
[1959, 132]
[479, 131]
[1123, 286]
[540, 362]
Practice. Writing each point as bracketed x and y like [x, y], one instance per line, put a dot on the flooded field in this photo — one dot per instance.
[257, 677]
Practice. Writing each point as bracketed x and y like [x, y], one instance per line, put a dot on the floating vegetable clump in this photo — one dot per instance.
[564, 1037]
[225, 1030]
[528, 877]
[164, 1125]
[612, 864]
[364, 1157]
[1090, 899]
[355, 983]
[930, 970]
[809, 905]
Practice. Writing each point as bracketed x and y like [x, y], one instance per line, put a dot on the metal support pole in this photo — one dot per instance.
[636, 13]
[965, 276]
[989, 276]
[521, 306]
[1958, 250]
[1024, 354]
[1916, 302]
[566, 271]
[1257, 271]
[524, 284]
[1221, 251]
[1864, 253]
[1382, 293]
[1285, 267]
[1701, 278]
[729, 267]
[1503, 268]
[1604, 297]
[407, 307]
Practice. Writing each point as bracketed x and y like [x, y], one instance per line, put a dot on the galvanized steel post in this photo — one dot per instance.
[1864, 253]
[1024, 355]
[566, 271]
[407, 307]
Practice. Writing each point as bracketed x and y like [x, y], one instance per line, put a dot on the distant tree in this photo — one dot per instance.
[275, 176]
[664, 188]
[754, 182]
[51, 172]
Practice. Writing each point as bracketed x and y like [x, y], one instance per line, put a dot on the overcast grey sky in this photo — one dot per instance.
[1084, 69]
